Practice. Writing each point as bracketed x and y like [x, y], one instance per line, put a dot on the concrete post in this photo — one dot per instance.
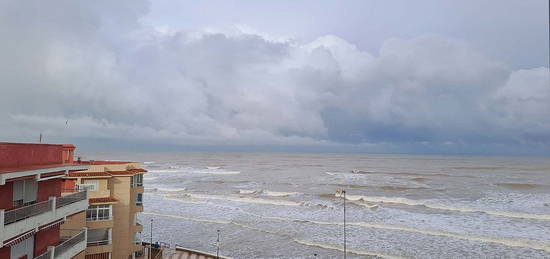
[86, 235]
[54, 202]
[52, 251]
[2, 228]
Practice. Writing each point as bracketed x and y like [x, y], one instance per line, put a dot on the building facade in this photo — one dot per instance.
[115, 191]
[32, 206]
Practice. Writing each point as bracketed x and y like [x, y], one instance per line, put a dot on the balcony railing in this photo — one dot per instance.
[35, 209]
[18, 214]
[68, 243]
[46, 255]
[71, 198]
[72, 241]
[99, 242]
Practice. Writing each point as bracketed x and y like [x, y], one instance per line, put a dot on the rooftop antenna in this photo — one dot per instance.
[40, 141]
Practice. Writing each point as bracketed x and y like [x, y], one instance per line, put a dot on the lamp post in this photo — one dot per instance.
[151, 243]
[342, 193]
[218, 245]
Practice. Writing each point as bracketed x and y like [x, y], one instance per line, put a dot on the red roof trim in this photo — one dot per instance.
[102, 200]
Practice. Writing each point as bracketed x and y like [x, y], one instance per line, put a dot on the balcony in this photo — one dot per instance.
[99, 237]
[69, 247]
[17, 221]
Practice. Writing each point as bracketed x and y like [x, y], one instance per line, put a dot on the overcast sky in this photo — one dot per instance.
[425, 76]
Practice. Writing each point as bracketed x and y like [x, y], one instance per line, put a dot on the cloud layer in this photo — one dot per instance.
[97, 67]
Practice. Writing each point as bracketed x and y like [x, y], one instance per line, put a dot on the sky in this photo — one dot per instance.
[392, 76]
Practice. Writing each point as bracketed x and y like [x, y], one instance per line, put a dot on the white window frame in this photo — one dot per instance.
[137, 180]
[89, 185]
[139, 202]
[97, 208]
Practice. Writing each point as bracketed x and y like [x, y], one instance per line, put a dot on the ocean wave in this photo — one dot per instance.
[410, 202]
[213, 167]
[267, 193]
[519, 186]
[171, 197]
[149, 162]
[188, 218]
[299, 241]
[526, 243]
[168, 189]
[359, 172]
[164, 171]
[248, 191]
[150, 178]
[218, 172]
[352, 251]
[243, 199]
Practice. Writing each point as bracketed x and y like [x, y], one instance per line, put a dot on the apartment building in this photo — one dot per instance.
[115, 191]
[32, 207]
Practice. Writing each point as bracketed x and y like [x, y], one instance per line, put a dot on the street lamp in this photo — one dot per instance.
[218, 245]
[151, 243]
[342, 193]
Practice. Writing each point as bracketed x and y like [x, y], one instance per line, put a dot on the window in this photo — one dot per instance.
[89, 185]
[137, 180]
[24, 192]
[98, 212]
[139, 199]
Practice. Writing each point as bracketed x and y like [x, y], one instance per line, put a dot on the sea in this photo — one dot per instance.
[291, 205]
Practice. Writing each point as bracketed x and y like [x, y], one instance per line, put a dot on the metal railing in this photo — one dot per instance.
[46, 255]
[31, 210]
[15, 215]
[67, 243]
[71, 198]
[60, 249]
[99, 242]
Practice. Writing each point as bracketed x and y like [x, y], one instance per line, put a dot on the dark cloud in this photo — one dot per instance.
[95, 65]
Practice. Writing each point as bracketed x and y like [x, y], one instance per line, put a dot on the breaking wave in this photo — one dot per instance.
[409, 202]
[242, 199]
[267, 193]
[218, 172]
[532, 244]
[167, 189]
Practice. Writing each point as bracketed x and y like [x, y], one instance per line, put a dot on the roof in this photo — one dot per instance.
[105, 162]
[102, 200]
[128, 172]
[35, 167]
[88, 174]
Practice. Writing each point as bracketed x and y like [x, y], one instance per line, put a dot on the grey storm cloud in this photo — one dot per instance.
[95, 65]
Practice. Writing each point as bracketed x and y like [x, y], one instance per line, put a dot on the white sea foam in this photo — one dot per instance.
[248, 191]
[189, 218]
[149, 178]
[164, 171]
[299, 241]
[218, 172]
[148, 162]
[168, 189]
[278, 194]
[243, 199]
[213, 167]
[503, 241]
[429, 204]
[171, 197]
[353, 251]
[267, 193]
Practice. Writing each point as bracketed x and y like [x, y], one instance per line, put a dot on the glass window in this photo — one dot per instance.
[98, 212]
[139, 199]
